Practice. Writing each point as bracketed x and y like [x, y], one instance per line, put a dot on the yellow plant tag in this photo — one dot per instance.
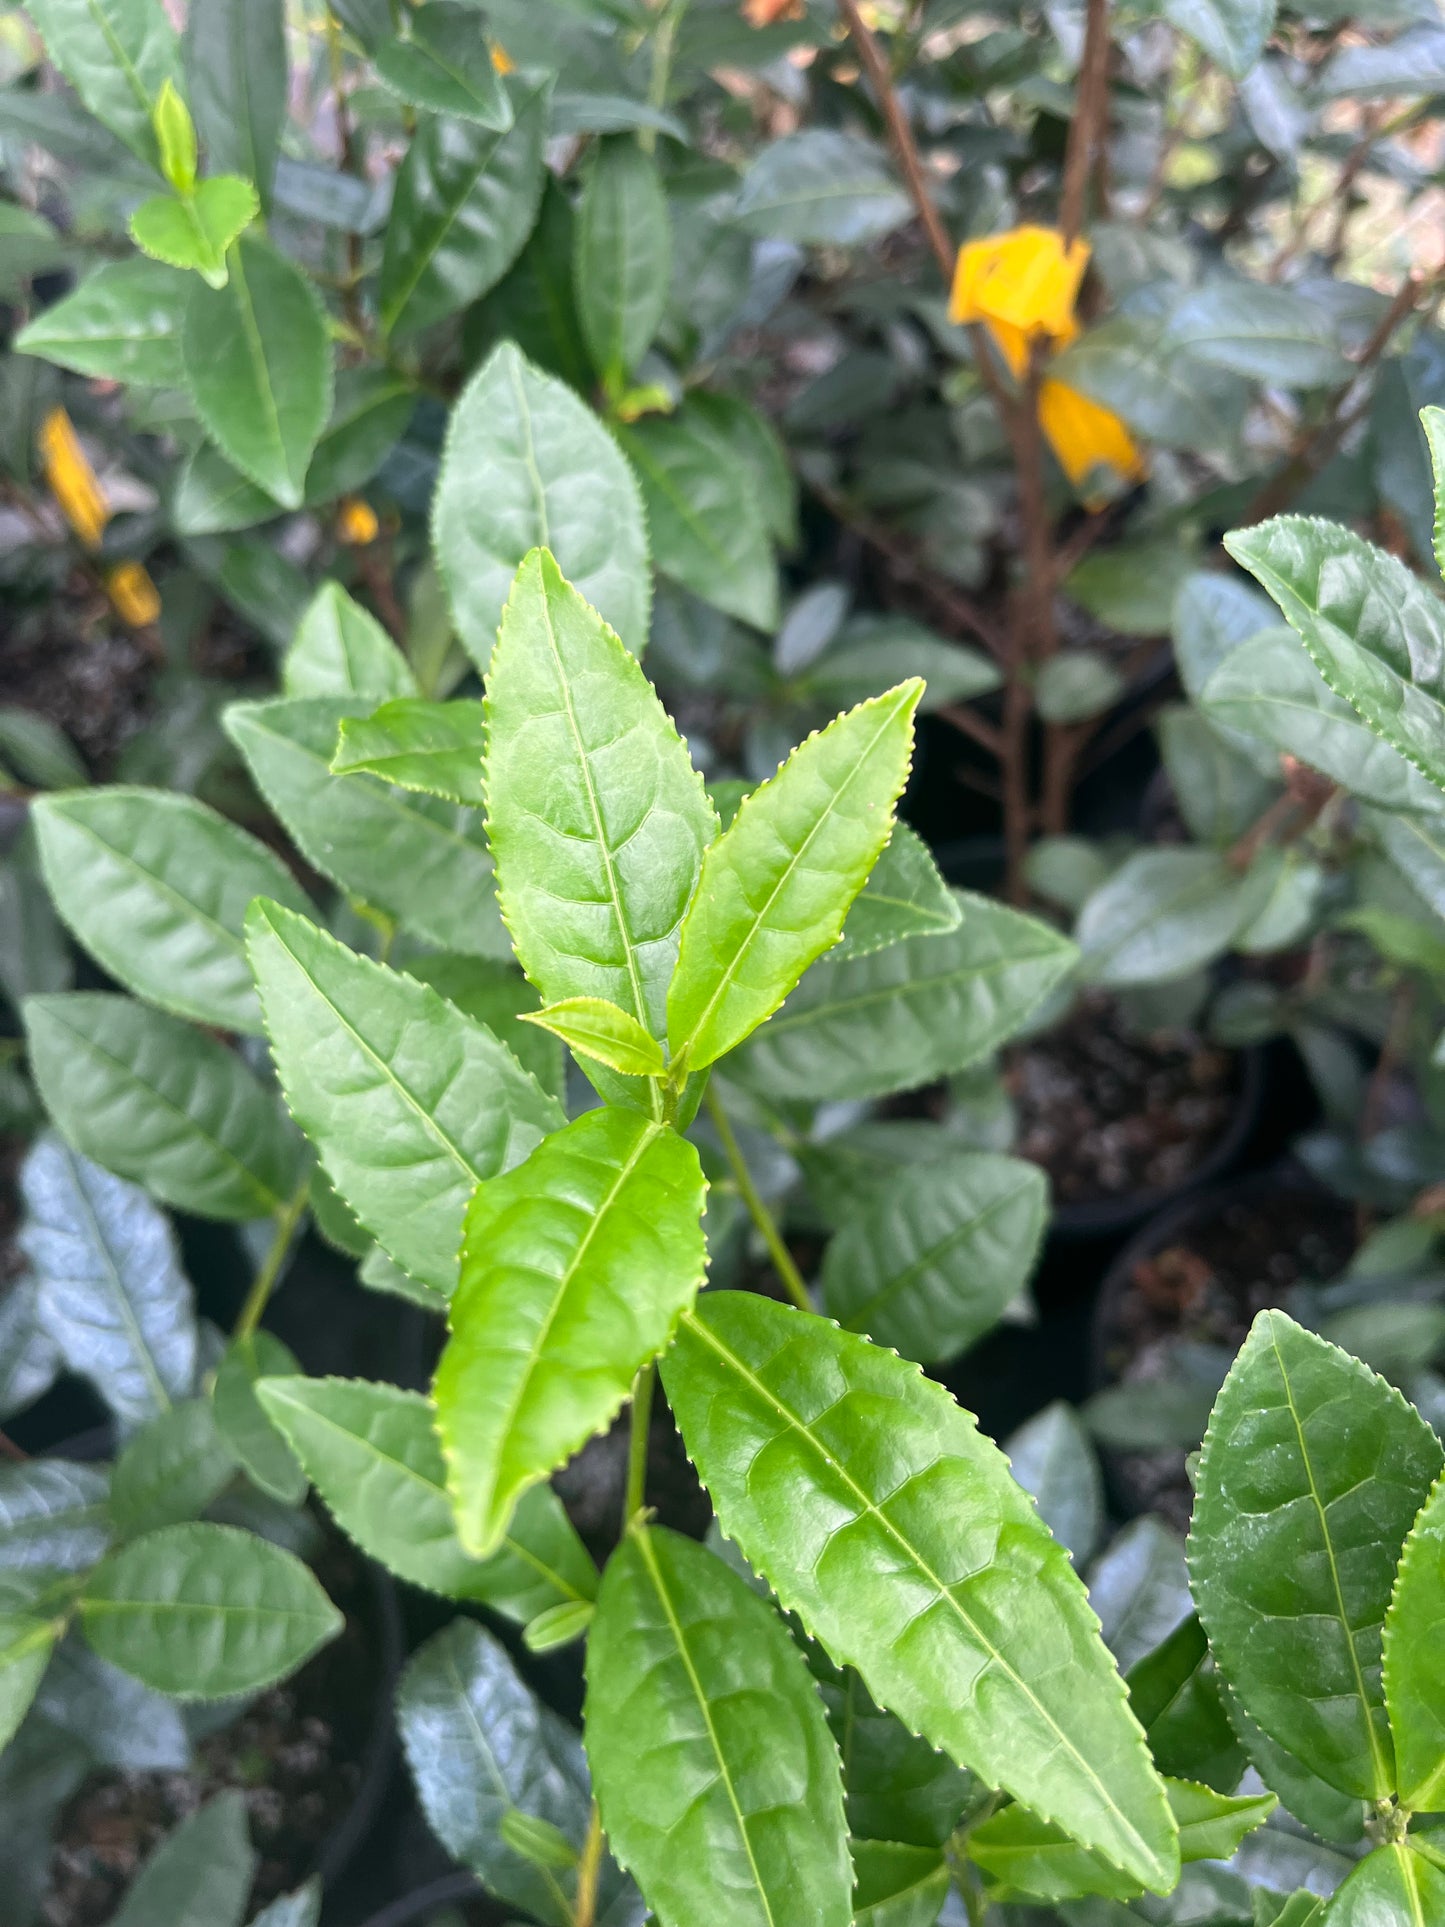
[133, 595]
[1086, 436]
[356, 523]
[71, 479]
[1023, 284]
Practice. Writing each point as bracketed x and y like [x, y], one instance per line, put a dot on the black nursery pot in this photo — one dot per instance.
[1198, 1273]
[451, 1890]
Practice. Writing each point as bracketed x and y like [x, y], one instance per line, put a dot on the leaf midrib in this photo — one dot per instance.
[932, 1255]
[957, 977]
[911, 1552]
[139, 1341]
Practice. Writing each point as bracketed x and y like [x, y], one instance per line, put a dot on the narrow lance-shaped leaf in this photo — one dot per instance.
[591, 1027]
[715, 1772]
[408, 1102]
[156, 887]
[623, 257]
[597, 818]
[776, 887]
[205, 1611]
[575, 1268]
[1312, 1473]
[112, 1292]
[373, 1454]
[433, 747]
[1413, 1676]
[154, 1099]
[878, 1513]
[235, 53]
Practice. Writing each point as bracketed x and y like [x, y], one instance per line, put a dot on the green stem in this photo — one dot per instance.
[664, 42]
[589, 1866]
[264, 1283]
[782, 1258]
[636, 1495]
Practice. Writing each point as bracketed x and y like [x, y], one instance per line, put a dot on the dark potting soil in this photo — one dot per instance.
[83, 672]
[296, 1754]
[1111, 1114]
[1238, 1257]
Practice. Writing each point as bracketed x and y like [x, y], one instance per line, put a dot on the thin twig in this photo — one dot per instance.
[979, 728]
[1086, 130]
[783, 1262]
[257, 1298]
[870, 54]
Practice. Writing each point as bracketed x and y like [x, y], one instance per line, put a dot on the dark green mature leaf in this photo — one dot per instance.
[622, 261]
[1312, 1473]
[261, 1448]
[704, 516]
[1131, 364]
[118, 55]
[432, 747]
[896, 1786]
[878, 1513]
[932, 1264]
[156, 1100]
[575, 1269]
[1414, 1686]
[533, 305]
[36, 750]
[528, 465]
[1176, 1696]
[205, 1611]
[919, 1010]
[751, 439]
[235, 54]
[715, 1772]
[466, 198]
[496, 995]
[1272, 692]
[156, 887]
[340, 649]
[34, 952]
[373, 1454]
[442, 62]
[213, 498]
[112, 1292]
[199, 1876]
[1373, 630]
[54, 1515]
[26, 1643]
[1160, 915]
[123, 323]
[598, 819]
[423, 860]
[822, 188]
[1391, 1887]
[898, 1885]
[877, 651]
[1219, 788]
[408, 1102]
[776, 887]
[1232, 32]
[480, 1747]
[172, 1469]
[905, 896]
[1054, 1460]
[368, 417]
[258, 366]
[1268, 333]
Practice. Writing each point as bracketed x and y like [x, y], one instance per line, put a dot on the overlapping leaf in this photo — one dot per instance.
[1414, 1688]
[432, 747]
[342, 650]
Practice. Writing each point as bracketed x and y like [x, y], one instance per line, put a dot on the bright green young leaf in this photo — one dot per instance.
[597, 818]
[205, 1611]
[258, 1445]
[408, 1102]
[1375, 632]
[622, 259]
[1162, 914]
[776, 887]
[442, 62]
[432, 747]
[575, 1268]
[1391, 1887]
[898, 1885]
[258, 365]
[591, 1027]
[481, 1747]
[1312, 1473]
[1414, 1679]
[932, 1264]
[236, 79]
[157, 1100]
[156, 887]
[919, 1010]
[118, 55]
[528, 465]
[558, 1625]
[880, 1515]
[420, 858]
[175, 138]
[112, 1292]
[1176, 1697]
[26, 1643]
[198, 231]
[1211, 1825]
[372, 1453]
[466, 199]
[170, 1471]
[54, 1515]
[715, 1772]
[703, 513]
[340, 649]
[122, 323]
[904, 897]
[200, 1875]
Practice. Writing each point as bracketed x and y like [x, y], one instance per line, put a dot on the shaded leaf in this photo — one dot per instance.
[623, 257]
[822, 188]
[340, 649]
[122, 323]
[261, 1448]
[905, 896]
[432, 747]
[118, 55]
[171, 1470]
[442, 62]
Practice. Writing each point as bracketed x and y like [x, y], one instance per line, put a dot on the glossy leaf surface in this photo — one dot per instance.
[236, 75]
[443, 63]
[1391, 1887]
[1414, 1688]
[432, 747]
[54, 1515]
[340, 649]
[122, 323]
[905, 896]
[593, 1028]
